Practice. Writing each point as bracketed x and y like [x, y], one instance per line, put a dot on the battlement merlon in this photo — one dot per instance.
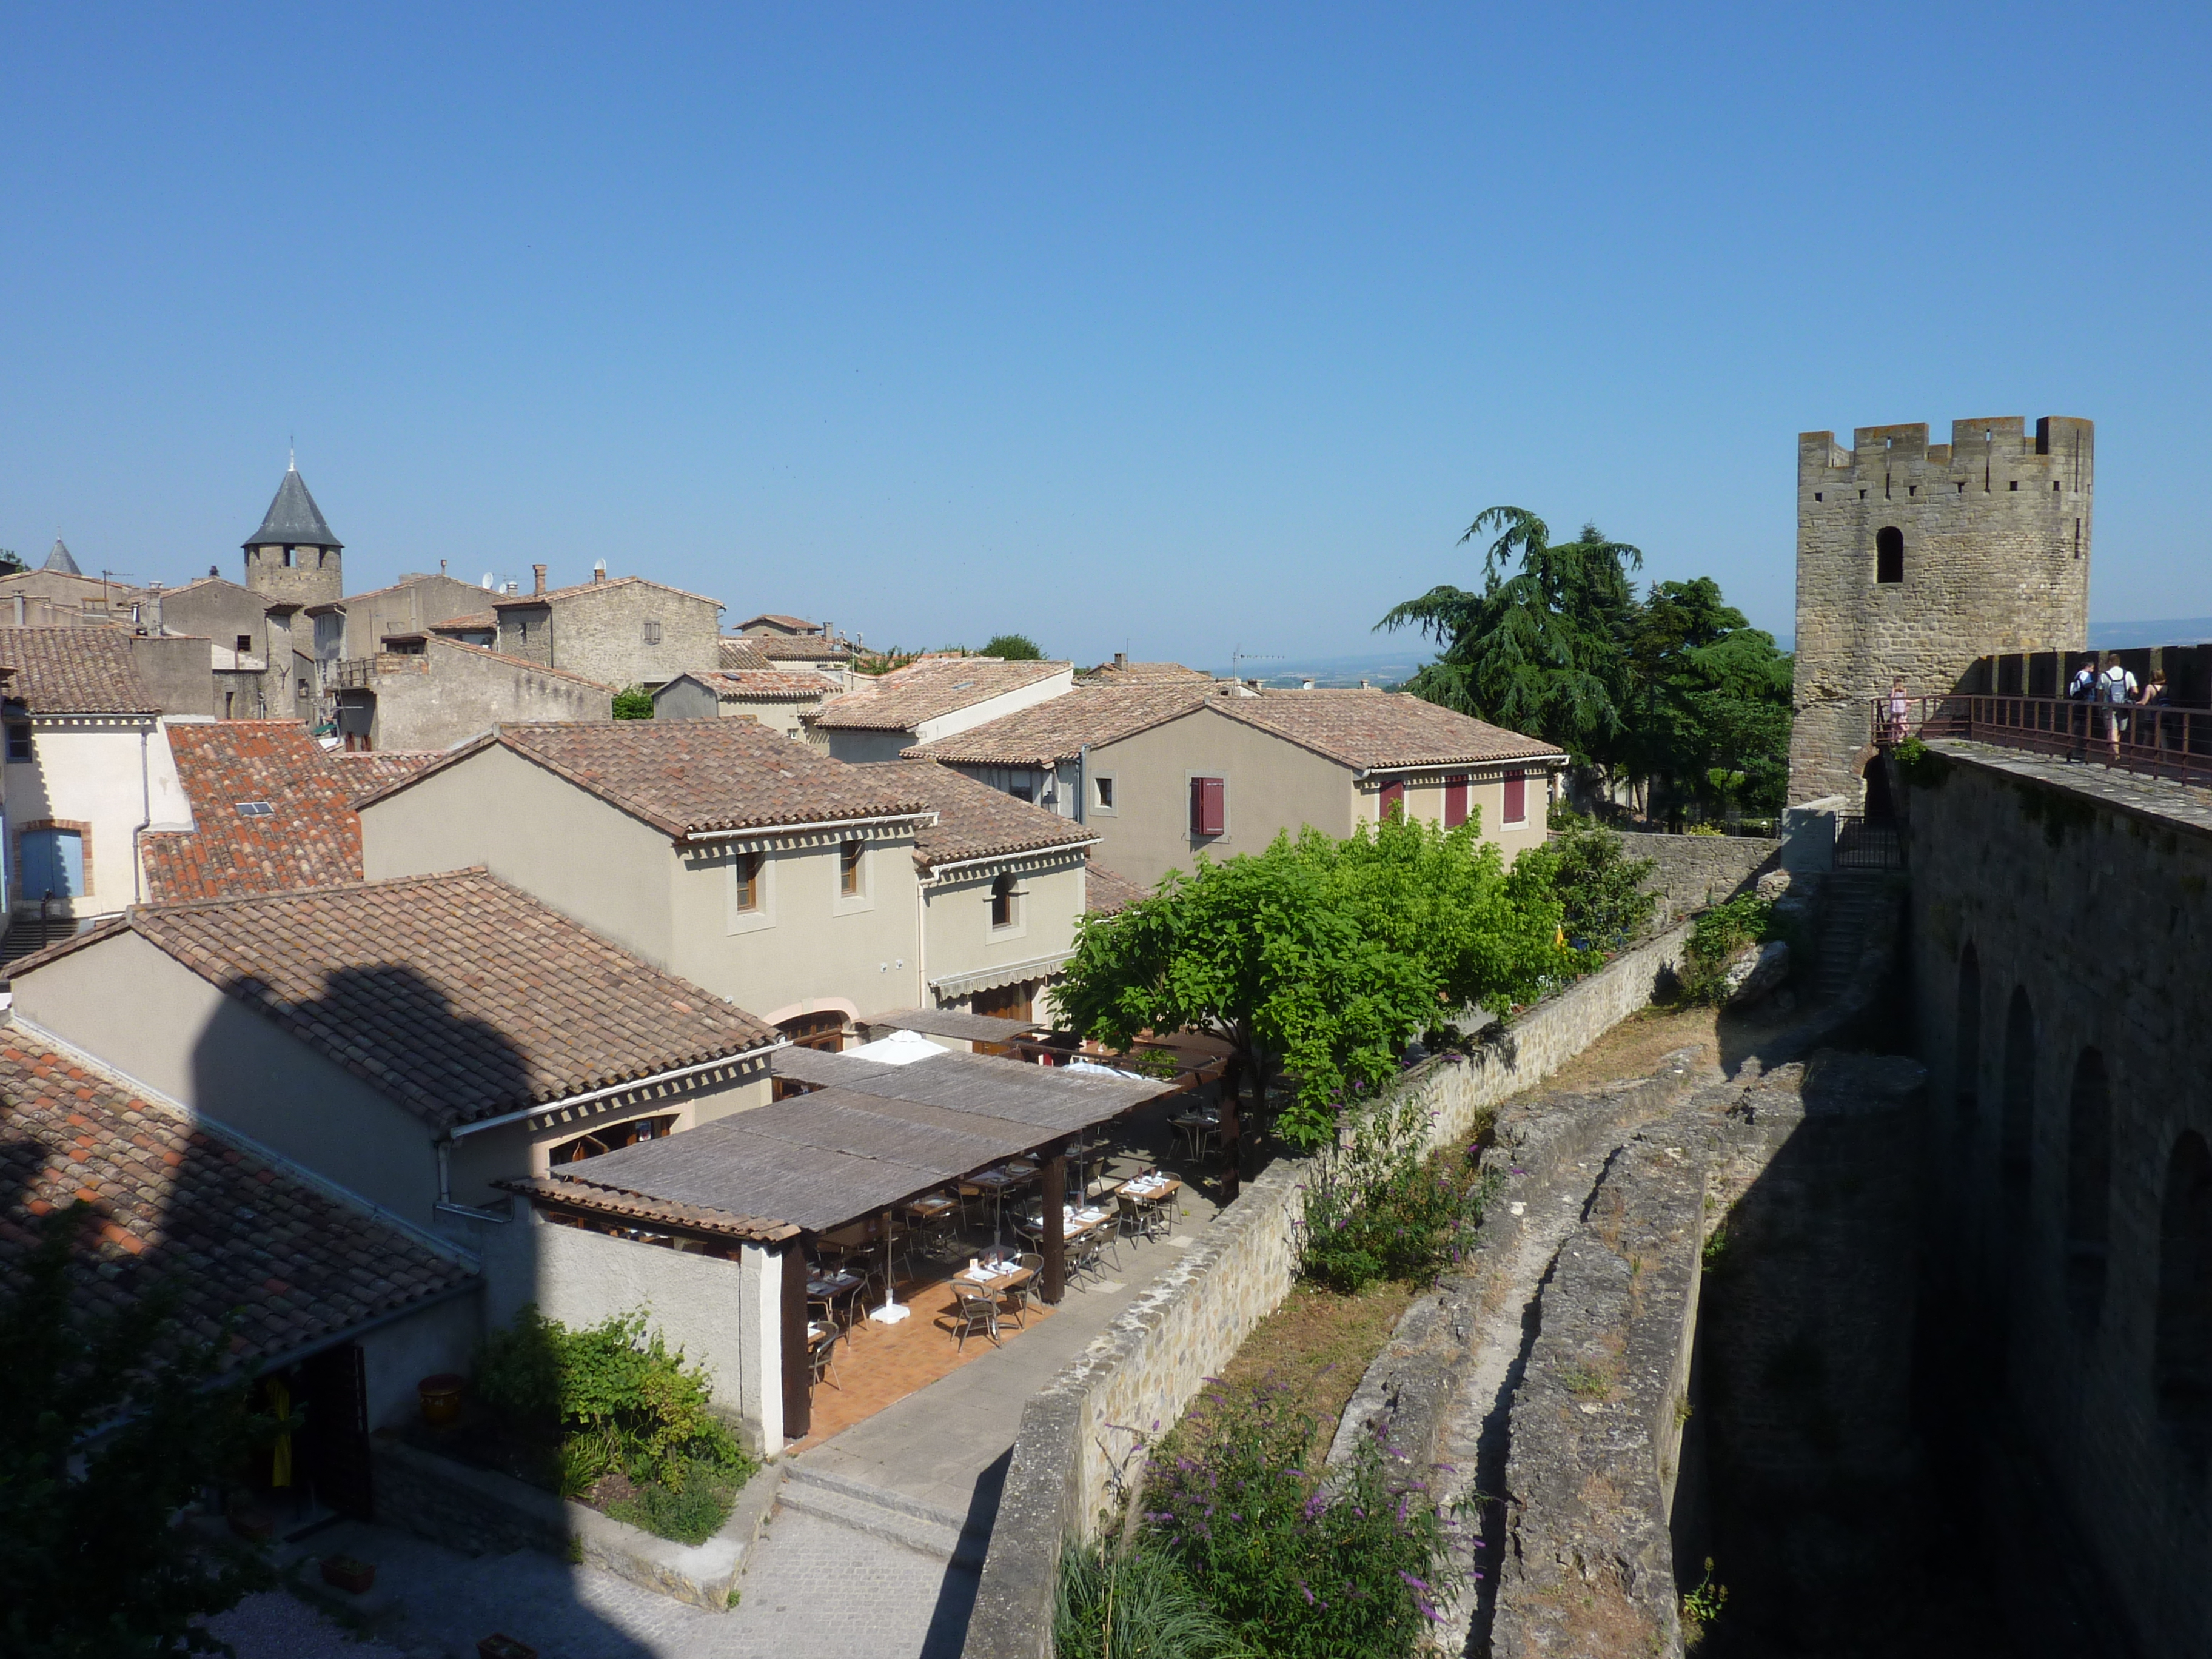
[2058, 439]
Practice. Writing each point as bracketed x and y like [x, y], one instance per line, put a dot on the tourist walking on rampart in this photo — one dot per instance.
[2115, 690]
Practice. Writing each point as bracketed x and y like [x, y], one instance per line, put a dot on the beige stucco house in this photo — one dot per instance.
[1003, 884]
[1162, 773]
[412, 1041]
[774, 876]
[886, 715]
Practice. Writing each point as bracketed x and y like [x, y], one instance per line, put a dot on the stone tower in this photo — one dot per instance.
[293, 556]
[1915, 558]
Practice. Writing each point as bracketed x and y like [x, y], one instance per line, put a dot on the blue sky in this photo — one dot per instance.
[1179, 328]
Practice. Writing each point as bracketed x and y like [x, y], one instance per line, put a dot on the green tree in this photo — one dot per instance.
[1326, 955]
[1710, 721]
[113, 1422]
[1541, 650]
[1014, 648]
[633, 702]
[10, 563]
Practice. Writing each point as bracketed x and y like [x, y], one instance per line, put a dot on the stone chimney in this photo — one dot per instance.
[1121, 659]
[538, 572]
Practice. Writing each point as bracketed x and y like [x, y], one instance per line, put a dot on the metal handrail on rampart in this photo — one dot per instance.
[2155, 738]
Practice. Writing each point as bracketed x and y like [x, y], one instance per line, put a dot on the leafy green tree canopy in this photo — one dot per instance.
[633, 702]
[1329, 955]
[89, 1565]
[1014, 648]
[1712, 703]
[1539, 650]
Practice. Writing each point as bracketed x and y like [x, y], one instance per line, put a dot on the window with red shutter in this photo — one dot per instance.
[1454, 801]
[1516, 797]
[1208, 807]
[1394, 800]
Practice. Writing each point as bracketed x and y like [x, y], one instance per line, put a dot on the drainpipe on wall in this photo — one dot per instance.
[145, 819]
[1082, 781]
[921, 943]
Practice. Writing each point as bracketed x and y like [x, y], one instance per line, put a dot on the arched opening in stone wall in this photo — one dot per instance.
[1889, 554]
[1880, 808]
[2182, 1359]
[2015, 1162]
[2088, 1187]
[1966, 1055]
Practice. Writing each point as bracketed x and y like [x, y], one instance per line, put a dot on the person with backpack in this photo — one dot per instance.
[2081, 688]
[2115, 690]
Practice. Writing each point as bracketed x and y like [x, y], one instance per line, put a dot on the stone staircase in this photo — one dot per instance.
[1850, 903]
[891, 1517]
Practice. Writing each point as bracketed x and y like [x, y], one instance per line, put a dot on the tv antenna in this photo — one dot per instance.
[1238, 656]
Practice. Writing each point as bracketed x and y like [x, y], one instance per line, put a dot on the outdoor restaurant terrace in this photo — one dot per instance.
[969, 1185]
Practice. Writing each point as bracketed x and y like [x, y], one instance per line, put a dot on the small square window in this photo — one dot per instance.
[245, 645]
[1103, 789]
[849, 869]
[747, 871]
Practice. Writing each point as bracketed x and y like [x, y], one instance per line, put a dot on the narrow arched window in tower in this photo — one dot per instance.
[1967, 1054]
[2088, 1187]
[1889, 554]
[2181, 1361]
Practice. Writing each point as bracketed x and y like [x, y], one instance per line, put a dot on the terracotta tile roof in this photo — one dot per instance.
[797, 624]
[902, 699]
[74, 671]
[736, 656]
[456, 995]
[974, 820]
[177, 1201]
[1381, 730]
[308, 836]
[361, 774]
[764, 684]
[696, 777]
[1141, 673]
[472, 620]
[1056, 730]
[580, 590]
[777, 648]
[1105, 891]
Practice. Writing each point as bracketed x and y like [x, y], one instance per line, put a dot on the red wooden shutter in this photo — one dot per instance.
[1516, 797]
[1393, 799]
[1454, 801]
[1208, 807]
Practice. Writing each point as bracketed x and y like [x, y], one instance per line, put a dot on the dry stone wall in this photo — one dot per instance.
[1695, 871]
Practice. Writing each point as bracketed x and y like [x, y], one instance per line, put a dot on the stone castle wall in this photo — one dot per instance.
[1995, 528]
[2060, 918]
[1691, 872]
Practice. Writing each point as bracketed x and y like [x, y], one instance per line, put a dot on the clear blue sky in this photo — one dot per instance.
[1180, 327]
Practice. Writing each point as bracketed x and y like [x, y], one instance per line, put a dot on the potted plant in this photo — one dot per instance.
[354, 1577]
[441, 1397]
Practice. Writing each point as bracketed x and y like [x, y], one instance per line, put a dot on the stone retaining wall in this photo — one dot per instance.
[1696, 870]
[1080, 1436]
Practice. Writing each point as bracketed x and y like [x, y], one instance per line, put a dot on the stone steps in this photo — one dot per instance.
[888, 1515]
[1851, 906]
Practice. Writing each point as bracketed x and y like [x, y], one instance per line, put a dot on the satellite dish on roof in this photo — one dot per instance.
[487, 581]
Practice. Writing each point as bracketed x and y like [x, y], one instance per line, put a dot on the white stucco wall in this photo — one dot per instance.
[960, 939]
[723, 1314]
[110, 779]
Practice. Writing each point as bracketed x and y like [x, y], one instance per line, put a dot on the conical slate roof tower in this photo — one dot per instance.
[294, 555]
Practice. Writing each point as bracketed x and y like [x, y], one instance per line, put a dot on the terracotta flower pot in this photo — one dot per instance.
[441, 1397]
[354, 1577]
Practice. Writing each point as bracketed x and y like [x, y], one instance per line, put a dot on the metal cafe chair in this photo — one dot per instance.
[1030, 1293]
[819, 1359]
[978, 1315]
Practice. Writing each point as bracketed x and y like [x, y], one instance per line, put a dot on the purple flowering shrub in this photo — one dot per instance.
[1352, 1562]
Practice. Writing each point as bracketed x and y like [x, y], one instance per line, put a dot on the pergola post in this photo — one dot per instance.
[798, 1360]
[1055, 1184]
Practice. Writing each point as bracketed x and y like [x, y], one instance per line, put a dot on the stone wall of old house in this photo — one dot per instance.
[620, 634]
[1995, 528]
[2060, 920]
[448, 693]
